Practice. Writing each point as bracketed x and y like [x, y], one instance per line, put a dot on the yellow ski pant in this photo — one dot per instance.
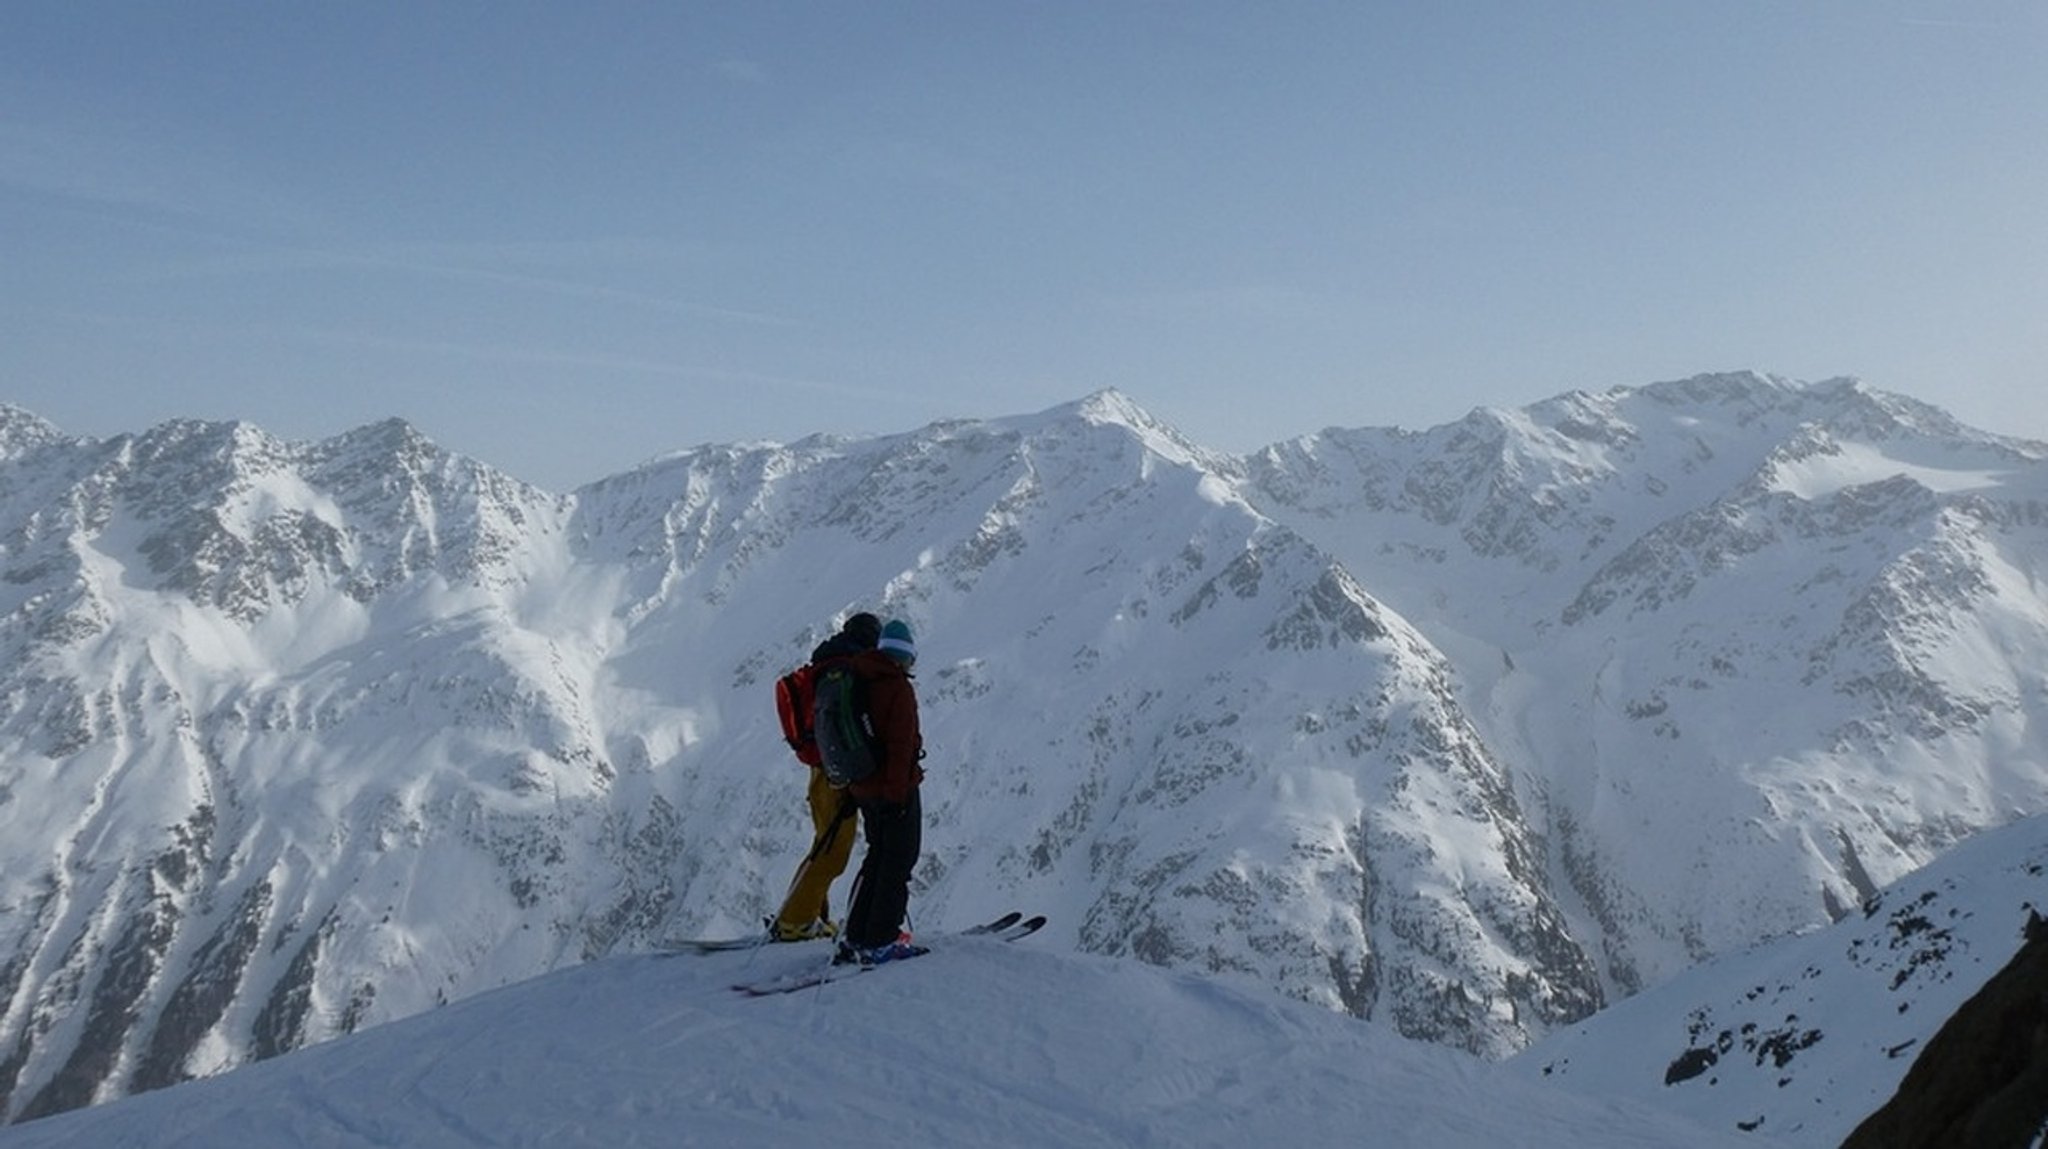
[810, 890]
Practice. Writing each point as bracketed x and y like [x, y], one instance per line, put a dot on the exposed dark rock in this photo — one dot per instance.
[1689, 1065]
[116, 1001]
[204, 995]
[281, 1026]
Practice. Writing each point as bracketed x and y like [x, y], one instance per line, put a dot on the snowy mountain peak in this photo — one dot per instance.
[1468, 731]
[1111, 408]
[22, 432]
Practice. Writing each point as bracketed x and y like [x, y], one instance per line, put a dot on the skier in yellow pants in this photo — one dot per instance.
[807, 909]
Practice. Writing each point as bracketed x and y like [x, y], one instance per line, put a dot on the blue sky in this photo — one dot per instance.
[565, 238]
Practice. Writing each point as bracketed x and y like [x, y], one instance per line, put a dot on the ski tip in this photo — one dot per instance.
[1001, 923]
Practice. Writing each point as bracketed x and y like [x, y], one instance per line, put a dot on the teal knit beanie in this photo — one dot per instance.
[897, 642]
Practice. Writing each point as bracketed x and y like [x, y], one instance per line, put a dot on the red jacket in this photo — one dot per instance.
[892, 707]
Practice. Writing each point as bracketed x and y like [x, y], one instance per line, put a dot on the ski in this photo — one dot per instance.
[711, 945]
[1010, 927]
[756, 941]
[1022, 929]
[1001, 923]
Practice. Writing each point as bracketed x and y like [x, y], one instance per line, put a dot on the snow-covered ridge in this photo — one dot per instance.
[1469, 730]
[976, 1045]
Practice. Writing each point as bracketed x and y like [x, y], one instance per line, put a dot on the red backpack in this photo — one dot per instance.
[793, 704]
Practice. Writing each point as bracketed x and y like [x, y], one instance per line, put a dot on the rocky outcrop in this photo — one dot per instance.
[1982, 1081]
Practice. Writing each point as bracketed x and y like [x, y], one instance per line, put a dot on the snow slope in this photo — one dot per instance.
[979, 1044]
[1758, 648]
[1808, 1036]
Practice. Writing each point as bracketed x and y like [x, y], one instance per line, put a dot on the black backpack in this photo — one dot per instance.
[847, 748]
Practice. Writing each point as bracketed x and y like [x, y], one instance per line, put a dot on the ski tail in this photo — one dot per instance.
[711, 945]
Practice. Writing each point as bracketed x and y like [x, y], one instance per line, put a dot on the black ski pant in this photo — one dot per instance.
[881, 892]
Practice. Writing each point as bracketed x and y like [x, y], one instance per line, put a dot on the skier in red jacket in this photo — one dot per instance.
[890, 814]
